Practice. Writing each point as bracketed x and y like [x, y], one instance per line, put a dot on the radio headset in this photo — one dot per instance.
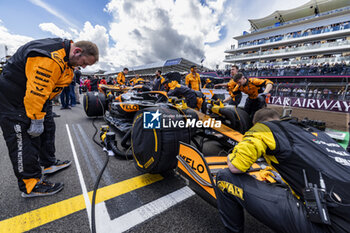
[315, 202]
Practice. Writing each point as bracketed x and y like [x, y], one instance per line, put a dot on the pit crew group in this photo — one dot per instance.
[40, 69]
[256, 89]
[296, 152]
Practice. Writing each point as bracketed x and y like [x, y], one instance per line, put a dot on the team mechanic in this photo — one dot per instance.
[253, 88]
[175, 89]
[121, 76]
[300, 155]
[157, 82]
[193, 79]
[232, 99]
[35, 74]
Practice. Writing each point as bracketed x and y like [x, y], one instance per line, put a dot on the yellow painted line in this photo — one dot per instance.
[46, 214]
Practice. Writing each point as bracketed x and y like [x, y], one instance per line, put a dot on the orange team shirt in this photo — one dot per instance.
[121, 78]
[193, 81]
[252, 87]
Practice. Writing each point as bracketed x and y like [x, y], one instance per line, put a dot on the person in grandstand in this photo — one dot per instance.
[175, 89]
[193, 80]
[121, 76]
[158, 80]
[253, 88]
[232, 99]
[34, 75]
[297, 154]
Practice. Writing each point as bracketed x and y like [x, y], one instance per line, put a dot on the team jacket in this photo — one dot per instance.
[231, 85]
[252, 88]
[157, 85]
[181, 91]
[290, 148]
[121, 78]
[193, 81]
[139, 81]
[38, 71]
[132, 81]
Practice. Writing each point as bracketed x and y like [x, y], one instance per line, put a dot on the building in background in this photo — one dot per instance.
[305, 51]
[314, 33]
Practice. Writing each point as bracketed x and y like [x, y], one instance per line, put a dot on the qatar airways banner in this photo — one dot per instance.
[321, 104]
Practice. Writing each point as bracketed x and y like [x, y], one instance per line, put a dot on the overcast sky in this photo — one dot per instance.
[137, 32]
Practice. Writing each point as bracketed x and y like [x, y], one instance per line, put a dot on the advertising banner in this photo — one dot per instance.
[320, 104]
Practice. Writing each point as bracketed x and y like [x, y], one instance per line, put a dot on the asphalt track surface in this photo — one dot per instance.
[128, 200]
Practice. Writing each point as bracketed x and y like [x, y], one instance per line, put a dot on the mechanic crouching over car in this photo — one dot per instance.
[175, 89]
[253, 88]
[316, 171]
[34, 75]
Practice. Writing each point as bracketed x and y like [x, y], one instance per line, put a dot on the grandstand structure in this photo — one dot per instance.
[305, 51]
[316, 32]
[180, 65]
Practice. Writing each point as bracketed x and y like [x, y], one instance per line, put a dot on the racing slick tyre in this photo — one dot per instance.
[94, 104]
[155, 148]
[238, 119]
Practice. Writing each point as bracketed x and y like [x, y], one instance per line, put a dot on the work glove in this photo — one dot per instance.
[36, 128]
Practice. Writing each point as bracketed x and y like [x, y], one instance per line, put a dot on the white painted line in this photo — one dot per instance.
[102, 218]
[141, 214]
[81, 178]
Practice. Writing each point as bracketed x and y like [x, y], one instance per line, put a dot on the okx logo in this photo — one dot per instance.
[151, 120]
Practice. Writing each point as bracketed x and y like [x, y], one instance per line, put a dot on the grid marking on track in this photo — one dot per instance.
[46, 214]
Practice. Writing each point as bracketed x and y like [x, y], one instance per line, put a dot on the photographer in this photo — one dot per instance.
[300, 155]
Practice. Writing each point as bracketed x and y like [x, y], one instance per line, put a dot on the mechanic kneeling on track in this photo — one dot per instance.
[300, 155]
[34, 75]
[253, 88]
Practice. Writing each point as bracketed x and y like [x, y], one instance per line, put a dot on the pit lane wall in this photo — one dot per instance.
[319, 104]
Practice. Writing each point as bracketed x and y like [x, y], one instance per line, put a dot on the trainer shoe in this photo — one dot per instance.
[44, 188]
[59, 165]
[55, 114]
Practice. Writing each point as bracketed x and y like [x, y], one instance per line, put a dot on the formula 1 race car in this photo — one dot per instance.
[118, 106]
[160, 149]
[155, 150]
